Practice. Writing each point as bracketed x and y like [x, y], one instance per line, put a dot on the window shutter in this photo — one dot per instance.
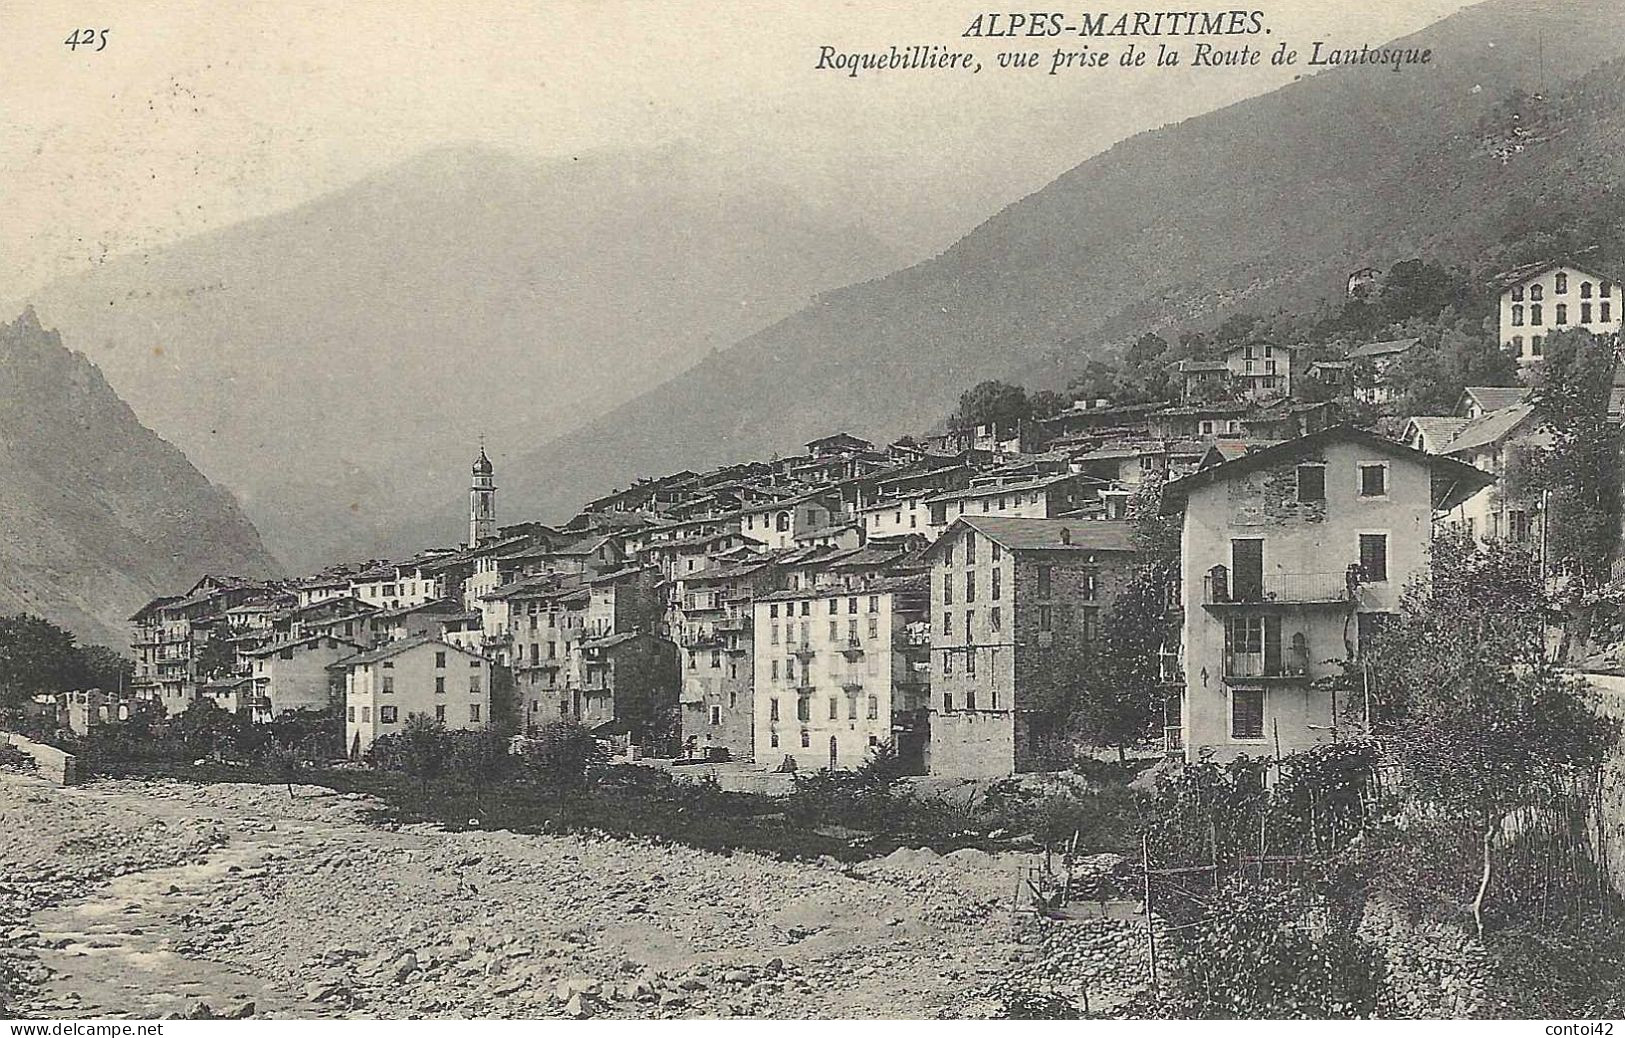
[1272, 644]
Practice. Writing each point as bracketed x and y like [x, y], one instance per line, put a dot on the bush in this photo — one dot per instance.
[562, 752]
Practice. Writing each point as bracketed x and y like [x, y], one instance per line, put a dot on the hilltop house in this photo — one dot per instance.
[1541, 298]
[1290, 556]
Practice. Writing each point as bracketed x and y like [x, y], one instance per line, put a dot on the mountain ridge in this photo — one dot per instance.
[101, 513]
[1270, 200]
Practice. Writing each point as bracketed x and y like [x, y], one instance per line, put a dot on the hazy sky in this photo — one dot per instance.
[198, 115]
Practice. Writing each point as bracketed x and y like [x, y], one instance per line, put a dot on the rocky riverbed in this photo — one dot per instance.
[158, 898]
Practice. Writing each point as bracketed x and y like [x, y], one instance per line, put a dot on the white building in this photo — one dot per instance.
[422, 675]
[1540, 299]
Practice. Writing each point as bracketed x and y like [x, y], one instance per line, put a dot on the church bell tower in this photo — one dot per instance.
[482, 502]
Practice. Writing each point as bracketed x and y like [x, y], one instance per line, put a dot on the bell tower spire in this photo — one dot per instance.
[482, 501]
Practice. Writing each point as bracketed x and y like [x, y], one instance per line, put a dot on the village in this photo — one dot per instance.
[1200, 591]
[800, 612]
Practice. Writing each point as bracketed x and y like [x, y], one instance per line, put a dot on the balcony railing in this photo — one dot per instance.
[804, 652]
[734, 622]
[853, 648]
[1293, 662]
[1220, 588]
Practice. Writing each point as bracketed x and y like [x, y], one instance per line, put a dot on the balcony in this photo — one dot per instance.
[1292, 664]
[734, 622]
[853, 649]
[1332, 587]
[804, 652]
[805, 691]
[852, 686]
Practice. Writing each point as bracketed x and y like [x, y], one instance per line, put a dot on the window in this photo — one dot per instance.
[773, 610]
[1562, 313]
[349, 713]
[970, 547]
[1311, 482]
[834, 606]
[948, 554]
[1562, 284]
[716, 716]
[1517, 345]
[1535, 314]
[440, 713]
[773, 739]
[806, 739]
[834, 630]
[947, 623]
[1537, 293]
[947, 702]
[773, 709]
[874, 708]
[970, 617]
[1517, 293]
[970, 662]
[852, 708]
[474, 712]
[993, 618]
[389, 683]
[1044, 575]
[947, 589]
[1535, 344]
[440, 684]
[970, 586]
[1605, 312]
[474, 684]
[1517, 314]
[947, 662]
[997, 551]
[970, 699]
[366, 714]
[1374, 479]
[1374, 557]
[1206, 428]
[1605, 289]
[440, 660]
[996, 575]
[1046, 620]
[386, 714]
[1585, 313]
[1585, 290]
[874, 603]
[773, 637]
[804, 708]
[1247, 714]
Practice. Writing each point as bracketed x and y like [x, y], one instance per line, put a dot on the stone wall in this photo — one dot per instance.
[61, 768]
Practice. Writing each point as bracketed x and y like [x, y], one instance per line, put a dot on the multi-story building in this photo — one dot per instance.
[1288, 556]
[1503, 443]
[836, 672]
[777, 523]
[423, 675]
[1012, 600]
[296, 675]
[718, 654]
[171, 635]
[1542, 298]
[1373, 367]
[1026, 495]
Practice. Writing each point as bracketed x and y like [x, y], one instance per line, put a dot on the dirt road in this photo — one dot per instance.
[144, 899]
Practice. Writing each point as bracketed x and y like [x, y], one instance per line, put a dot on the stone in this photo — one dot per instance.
[403, 966]
[577, 1007]
[241, 1011]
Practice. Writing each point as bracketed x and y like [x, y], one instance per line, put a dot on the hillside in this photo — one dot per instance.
[1267, 203]
[334, 365]
[100, 514]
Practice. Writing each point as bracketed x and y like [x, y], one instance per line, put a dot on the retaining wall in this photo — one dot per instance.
[57, 765]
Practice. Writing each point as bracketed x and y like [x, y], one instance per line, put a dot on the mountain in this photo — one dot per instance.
[335, 364]
[1267, 203]
[100, 515]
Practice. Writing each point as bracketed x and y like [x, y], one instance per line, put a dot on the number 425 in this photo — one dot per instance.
[96, 39]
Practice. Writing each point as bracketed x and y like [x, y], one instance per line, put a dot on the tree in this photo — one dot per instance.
[106, 669]
[991, 403]
[1580, 472]
[1478, 734]
[1122, 691]
[205, 729]
[1047, 403]
[36, 656]
[218, 657]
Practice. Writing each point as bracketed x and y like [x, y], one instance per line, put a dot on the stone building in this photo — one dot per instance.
[1290, 555]
[718, 654]
[1010, 599]
[1543, 298]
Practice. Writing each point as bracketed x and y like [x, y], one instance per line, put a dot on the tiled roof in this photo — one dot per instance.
[1048, 534]
[1382, 349]
[1494, 398]
[392, 649]
[1437, 430]
[1488, 428]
